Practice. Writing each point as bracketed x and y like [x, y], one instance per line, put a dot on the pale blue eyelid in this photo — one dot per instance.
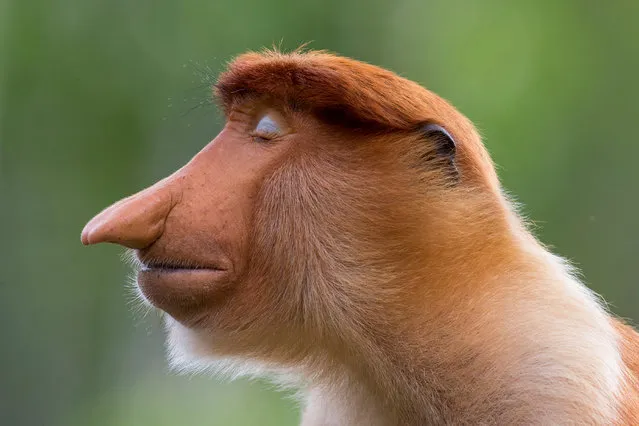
[267, 126]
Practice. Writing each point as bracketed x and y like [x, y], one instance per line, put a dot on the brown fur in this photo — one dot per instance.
[342, 259]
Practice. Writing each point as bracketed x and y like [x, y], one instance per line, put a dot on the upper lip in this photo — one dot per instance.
[174, 266]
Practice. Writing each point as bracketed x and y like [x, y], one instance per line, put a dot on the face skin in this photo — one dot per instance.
[191, 230]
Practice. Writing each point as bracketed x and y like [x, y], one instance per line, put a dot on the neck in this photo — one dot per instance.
[500, 333]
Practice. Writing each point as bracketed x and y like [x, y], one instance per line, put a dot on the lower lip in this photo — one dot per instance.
[178, 286]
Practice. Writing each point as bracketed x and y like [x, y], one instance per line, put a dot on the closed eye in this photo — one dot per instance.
[266, 129]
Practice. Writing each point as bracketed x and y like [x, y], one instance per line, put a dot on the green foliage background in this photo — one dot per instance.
[99, 98]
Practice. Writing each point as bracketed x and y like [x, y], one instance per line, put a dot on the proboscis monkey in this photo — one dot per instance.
[346, 234]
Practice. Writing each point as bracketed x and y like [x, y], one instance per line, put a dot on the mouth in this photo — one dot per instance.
[178, 288]
[175, 267]
[183, 276]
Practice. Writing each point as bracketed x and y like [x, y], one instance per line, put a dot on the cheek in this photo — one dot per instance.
[220, 200]
[215, 221]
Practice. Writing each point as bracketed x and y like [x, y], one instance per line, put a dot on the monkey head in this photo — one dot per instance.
[335, 193]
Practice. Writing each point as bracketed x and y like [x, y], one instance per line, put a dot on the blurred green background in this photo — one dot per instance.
[100, 98]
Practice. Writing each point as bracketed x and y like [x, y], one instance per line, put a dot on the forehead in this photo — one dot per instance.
[334, 89]
[252, 105]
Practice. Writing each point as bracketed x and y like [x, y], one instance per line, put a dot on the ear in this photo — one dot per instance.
[445, 146]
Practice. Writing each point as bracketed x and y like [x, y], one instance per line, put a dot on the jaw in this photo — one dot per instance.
[197, 351]
[190, 350]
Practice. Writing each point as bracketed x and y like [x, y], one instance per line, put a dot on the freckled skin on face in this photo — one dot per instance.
[191, 229]
[346, 233]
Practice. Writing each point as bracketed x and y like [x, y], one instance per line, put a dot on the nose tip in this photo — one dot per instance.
[135, 222]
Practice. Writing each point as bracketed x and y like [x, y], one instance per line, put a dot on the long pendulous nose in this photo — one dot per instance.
[135, 222]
